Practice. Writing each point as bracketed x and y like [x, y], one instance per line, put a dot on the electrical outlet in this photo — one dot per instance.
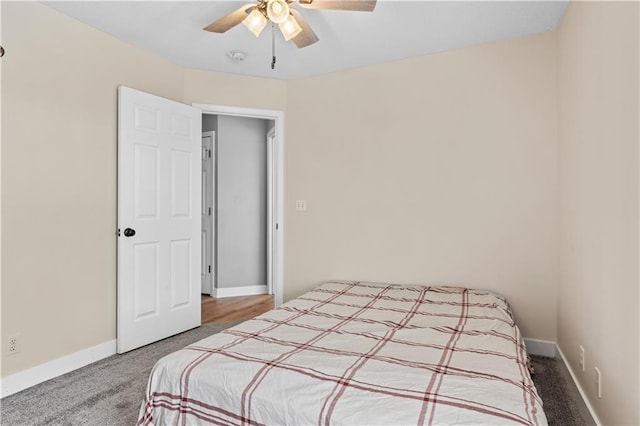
[598, 382]
[581, 359]
[13, 344]
[301, 205]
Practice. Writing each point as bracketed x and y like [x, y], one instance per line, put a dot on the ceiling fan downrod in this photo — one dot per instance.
[273, 46]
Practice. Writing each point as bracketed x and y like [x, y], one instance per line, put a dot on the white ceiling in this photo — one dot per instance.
[395, 30]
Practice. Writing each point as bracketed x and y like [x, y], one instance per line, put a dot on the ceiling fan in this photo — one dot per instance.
[283, 12]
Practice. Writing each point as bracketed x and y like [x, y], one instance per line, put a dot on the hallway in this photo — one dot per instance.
[232, 309]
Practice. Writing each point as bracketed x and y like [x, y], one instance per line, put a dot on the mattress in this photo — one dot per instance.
[355, 353]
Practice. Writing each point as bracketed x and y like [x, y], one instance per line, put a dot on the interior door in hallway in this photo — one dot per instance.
[208, 212]
[159, 221]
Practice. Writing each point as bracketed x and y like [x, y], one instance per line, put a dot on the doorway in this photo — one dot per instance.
[241, 210]
[159, 229]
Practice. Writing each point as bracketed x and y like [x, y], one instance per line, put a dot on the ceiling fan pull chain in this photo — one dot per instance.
[273, 46]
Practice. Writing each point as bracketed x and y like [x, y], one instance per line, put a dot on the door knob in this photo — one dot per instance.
[129, 232]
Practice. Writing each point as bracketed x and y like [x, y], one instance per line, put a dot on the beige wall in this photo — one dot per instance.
[440, 169]
[457, 154]
[233, 90]
[437, 169]
[59, 93]
[598, 215]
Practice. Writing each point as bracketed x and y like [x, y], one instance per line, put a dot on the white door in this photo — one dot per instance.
[159, 145]
[208, 211]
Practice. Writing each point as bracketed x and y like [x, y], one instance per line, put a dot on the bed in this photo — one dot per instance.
[355, 353]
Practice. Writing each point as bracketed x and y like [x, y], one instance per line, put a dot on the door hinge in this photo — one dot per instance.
[209, 211]
[209, 151]
[209, 268]
[276, 226]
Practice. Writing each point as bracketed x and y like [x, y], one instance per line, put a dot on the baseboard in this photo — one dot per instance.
[582, 392]
[239, 291]
[33, 376]
[540, 347]
[552, 350]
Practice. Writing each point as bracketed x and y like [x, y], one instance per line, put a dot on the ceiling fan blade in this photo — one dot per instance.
[306, 36]
[231, 20]
[356, 5]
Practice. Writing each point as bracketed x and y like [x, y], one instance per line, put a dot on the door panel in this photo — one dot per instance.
[180, 272]
[181, 127]
[146, 182]
[146, 118]
[145, 280]
[181, 177]
[158, 192]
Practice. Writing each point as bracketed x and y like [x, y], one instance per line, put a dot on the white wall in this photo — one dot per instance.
[598, 179]
[241, 204]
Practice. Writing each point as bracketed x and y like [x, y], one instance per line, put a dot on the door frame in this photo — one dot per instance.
[277, 225]
[272, 160]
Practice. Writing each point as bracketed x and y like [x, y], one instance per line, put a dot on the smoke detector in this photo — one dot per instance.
[236, 56]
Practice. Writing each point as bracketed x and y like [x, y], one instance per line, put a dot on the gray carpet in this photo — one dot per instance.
[562, 402]
[109, 392]
[105, 393]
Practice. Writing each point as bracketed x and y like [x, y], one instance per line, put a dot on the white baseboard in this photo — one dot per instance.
[582, 392]
[552, 350]
[239, 291]
[540, 347]
[49, 370]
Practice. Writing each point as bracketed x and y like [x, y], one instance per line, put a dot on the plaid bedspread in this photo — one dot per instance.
[355, 354]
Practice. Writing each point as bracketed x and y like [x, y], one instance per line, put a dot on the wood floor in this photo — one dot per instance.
[232, 309]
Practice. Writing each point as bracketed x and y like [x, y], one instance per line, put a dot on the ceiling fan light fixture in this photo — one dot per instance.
[290, 28]
[255, 22]
[277, 11]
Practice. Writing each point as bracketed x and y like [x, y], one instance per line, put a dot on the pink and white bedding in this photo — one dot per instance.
[355, 353]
